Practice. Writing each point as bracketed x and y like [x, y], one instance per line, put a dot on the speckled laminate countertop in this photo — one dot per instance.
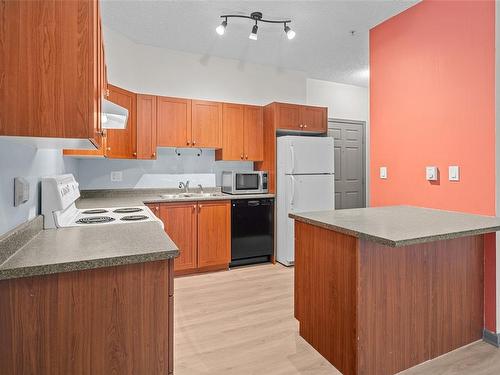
[139, 197]
[398, 226]
[79, 248]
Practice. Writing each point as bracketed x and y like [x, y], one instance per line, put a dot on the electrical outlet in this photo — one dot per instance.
[431, 173]
[453, 173]
[116, 176]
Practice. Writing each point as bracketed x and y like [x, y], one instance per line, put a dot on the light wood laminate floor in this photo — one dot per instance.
[241, 322]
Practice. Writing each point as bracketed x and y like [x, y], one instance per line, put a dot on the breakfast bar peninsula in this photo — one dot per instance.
[379, 290]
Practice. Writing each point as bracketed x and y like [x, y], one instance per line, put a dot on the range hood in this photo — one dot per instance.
[113, 115]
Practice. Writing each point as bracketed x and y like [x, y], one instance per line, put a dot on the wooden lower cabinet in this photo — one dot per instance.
[201, 231]
[180, 220]
[114, 320]
[214, 234]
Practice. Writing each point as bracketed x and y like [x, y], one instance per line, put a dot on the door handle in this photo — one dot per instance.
[253, 203]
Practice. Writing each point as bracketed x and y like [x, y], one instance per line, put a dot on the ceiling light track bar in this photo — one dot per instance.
[253, 17]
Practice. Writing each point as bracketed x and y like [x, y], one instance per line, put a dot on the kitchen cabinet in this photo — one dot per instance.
[206, 124]
[173, 122]
[202, 232]
[52, 69]
[301, 118]
[146, 126]
[121, 143]
[214, 233]
[242, 130]
[180, 222]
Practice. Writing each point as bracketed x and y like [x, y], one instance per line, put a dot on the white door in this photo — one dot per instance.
[302, 193]
[305, 155]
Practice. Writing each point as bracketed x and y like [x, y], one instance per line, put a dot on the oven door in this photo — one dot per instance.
[247, 183]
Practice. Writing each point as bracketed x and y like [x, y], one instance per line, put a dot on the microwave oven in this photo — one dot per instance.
[253, 182]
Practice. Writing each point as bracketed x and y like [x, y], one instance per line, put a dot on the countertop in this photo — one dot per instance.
[398, 226]
[79, 248]
[139, 197]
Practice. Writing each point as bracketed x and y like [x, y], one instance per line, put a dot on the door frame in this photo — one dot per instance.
[365, 173]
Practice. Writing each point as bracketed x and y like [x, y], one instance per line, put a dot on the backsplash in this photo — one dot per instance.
[23, 160]
[166, 171]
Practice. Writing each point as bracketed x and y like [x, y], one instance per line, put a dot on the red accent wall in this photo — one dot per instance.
[432, 102]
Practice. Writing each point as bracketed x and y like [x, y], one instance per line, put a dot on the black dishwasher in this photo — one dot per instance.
[252, 231]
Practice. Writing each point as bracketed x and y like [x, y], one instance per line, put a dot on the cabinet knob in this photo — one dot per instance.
[305, 126]
[188, 143]
[194, 143]
[134, 154]
[108, 148]
[301, 126]
[246, 156]
[241, 156]
[107, 93]
[153, 154]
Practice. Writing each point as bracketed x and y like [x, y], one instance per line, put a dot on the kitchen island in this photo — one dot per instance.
[379, 290]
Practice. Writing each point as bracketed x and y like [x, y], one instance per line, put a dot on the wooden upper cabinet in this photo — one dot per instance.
[173, 122]
[242, 133]
[180, 220]
[206, 124]
[288, 116]
[301, 118]
[253, 133]
[214, 233]
[146, 126]
[49, 69]
[314, 119]
[233, 119]
[121, 143]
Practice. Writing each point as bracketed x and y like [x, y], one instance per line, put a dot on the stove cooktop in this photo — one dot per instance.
[113, 215]
[95, 220]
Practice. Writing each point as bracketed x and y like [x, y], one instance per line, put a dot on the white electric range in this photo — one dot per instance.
[59, 194]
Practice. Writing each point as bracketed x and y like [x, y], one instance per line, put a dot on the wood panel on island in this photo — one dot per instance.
[201, 231]
[98, 321]
[52, 70]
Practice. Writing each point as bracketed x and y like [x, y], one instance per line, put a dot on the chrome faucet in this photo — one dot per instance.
[185, 186]
[201, 188]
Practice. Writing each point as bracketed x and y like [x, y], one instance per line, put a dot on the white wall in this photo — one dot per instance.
[346, 102]
[22, 160]
[159, 71]
[95, 174]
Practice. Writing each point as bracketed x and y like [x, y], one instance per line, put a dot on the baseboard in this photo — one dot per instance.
[491, 338]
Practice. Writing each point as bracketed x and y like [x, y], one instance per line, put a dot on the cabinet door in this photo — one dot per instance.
[207, 124]
[214, 233]
[146, 126]
[173, 121]
[288, 116]
[233, 116]
[121, 143]
[314, 119]
[254, 133]
[180, 224]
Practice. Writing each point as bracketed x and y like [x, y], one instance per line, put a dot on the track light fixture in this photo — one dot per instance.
[257, 17]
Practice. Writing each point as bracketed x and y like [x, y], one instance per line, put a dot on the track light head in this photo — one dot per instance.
[221, 29]
[290, 34]
[253, 34]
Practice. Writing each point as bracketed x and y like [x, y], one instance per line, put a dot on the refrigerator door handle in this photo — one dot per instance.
[292, 154]
[292, 179]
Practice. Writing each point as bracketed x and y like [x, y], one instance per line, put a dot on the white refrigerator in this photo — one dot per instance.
[305, 182]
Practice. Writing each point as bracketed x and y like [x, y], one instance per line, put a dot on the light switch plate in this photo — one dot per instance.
[453, 173]
[431, 173]
[21, 191]
[116, 176]
[383, 172]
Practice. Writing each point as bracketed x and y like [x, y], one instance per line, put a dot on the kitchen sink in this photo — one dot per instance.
[190, 195]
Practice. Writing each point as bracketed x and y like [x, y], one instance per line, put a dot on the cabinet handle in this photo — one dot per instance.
[194, 208]
[107, 93]
[199, 207]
